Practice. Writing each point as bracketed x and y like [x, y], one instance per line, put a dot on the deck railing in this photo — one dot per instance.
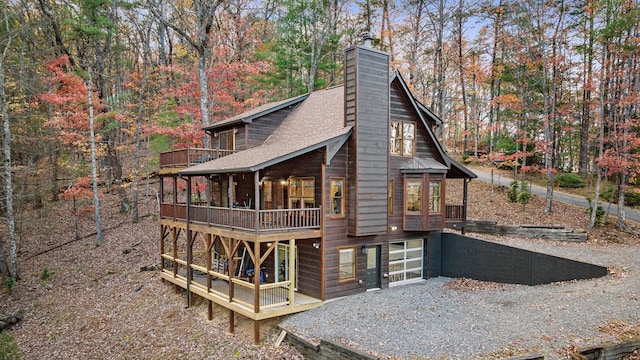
[190, 156]
[454, 213]
[245, 219]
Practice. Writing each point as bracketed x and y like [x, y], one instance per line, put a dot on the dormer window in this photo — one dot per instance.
[402, 139]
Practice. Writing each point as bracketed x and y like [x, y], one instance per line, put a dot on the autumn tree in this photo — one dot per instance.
[620, 93]
[73, 104]
[201, 17]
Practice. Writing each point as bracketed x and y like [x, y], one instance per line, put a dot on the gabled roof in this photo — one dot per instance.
[417, 165]
[314, 123]
[397, 77]
[248, 116]
[317, 121]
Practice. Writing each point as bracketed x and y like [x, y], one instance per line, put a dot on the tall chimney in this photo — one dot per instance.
[366, 93]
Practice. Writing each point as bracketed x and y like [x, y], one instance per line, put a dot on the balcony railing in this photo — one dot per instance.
[245, 219]
[454, 213]
[190, 156]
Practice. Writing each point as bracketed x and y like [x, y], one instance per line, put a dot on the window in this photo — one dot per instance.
[434, 196]
[402, 138]
[301, 193]
[226, 140]
[413, 197]
[405, 262]
[347, 266]
[337, 197]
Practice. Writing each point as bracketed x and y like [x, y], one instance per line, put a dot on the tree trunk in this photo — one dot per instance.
[141, 99]
[465, 142]
[8, 186]
[94, 171]
[583, 162]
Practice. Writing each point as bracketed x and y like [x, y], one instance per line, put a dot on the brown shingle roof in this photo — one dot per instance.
[316, 122]
[261, 110]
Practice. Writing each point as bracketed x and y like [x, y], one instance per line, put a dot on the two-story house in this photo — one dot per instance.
[311, 198]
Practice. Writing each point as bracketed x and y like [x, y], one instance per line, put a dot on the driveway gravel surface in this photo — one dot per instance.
[434, 320]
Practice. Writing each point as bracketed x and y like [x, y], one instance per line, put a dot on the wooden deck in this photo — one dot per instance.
[274, 297]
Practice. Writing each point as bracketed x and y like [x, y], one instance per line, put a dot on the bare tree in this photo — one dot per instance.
[12, 271]
[94, 172]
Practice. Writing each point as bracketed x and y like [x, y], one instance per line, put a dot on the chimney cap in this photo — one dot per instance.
[367, 37]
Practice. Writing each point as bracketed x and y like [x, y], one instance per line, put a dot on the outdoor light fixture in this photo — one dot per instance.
[364, 250]
[316, 245]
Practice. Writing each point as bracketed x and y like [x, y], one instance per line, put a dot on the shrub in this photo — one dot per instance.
[512, 194]
[630, 198]
[599, 212]
[8, 348]
[524, 195]
[570, 180]
[519, 192]
[10, 283]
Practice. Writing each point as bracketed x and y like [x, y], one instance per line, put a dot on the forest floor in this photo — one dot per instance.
[86, 301]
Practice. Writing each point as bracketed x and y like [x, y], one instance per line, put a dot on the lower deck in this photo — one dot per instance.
[275, 299]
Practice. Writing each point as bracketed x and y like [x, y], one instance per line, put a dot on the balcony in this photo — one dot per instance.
[245, 219]
[183, 158]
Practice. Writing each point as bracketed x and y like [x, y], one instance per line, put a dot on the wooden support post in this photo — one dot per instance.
[231, 321]
[209, 245]
[292, 271]
[256, 332]
[232, 267]
[174, 239]
[256, 277]
[162, 228]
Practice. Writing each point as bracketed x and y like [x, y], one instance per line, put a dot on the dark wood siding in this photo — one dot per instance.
[262, 127]
[309, 268]
[367, 109]
[402, 110]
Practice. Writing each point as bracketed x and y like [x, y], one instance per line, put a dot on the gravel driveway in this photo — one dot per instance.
[428, 320]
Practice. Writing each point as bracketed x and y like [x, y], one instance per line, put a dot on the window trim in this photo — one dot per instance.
[400, 139]
[231, 134]
[431, 197]
[406, 196]
[333, 197]
[298, 192]
[353, 275]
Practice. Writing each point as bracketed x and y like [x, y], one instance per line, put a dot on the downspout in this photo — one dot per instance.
[188, 236]
[465, 190]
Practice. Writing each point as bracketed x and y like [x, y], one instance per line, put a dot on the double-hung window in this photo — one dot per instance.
[337, 197]
[347, 264]
[413, 197]
[434, 196]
